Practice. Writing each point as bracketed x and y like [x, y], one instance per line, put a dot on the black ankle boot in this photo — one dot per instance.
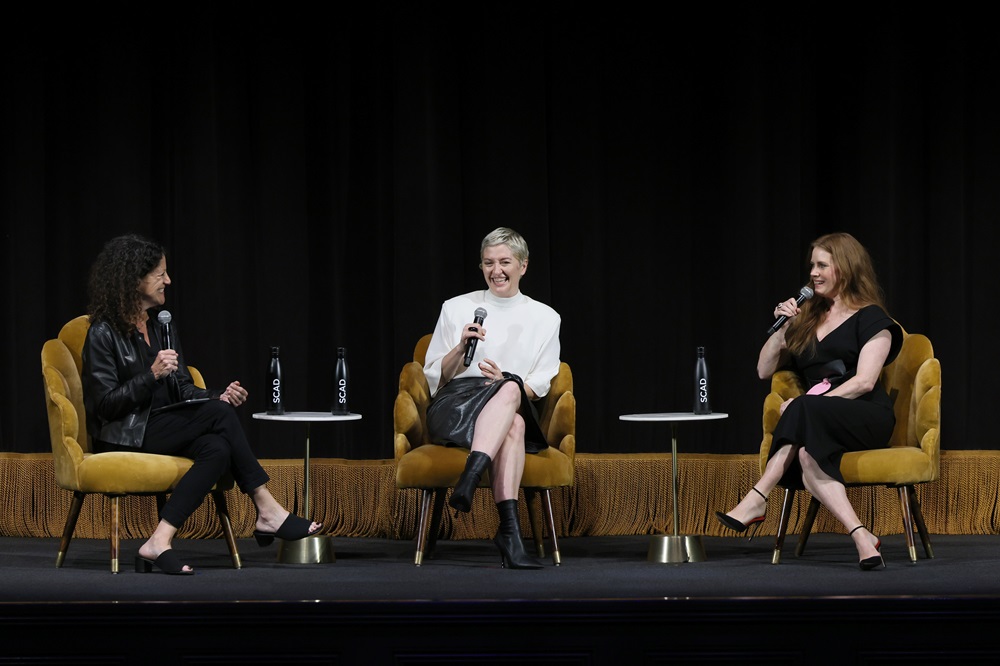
[475, 465]
[508, 539]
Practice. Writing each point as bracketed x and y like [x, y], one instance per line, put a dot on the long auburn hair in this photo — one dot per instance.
[114, 280]
[856, 282]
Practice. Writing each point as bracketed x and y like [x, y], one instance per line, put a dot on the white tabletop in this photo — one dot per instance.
[674, 416]
[307, 417]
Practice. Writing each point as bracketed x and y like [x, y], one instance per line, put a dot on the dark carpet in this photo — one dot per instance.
[605, 604]
[593, 568]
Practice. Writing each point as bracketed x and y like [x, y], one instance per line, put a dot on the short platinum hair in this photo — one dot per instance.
[508, 237]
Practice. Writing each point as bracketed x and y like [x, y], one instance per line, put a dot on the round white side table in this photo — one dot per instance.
[675, 548]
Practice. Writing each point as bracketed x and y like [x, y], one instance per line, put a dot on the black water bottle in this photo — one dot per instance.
[341, 384]
[701, 403]
[275, 404]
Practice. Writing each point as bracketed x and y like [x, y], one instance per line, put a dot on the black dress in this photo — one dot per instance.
[830, 426]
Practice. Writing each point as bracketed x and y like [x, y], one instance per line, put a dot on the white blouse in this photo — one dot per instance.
[522, 337]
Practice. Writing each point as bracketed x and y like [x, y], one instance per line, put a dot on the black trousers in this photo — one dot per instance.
[210, 434]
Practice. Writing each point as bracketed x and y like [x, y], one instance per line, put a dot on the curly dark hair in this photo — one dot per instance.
[115, 276]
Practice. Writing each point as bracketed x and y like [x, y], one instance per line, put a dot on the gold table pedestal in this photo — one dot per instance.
[674, 549]
[311, 550]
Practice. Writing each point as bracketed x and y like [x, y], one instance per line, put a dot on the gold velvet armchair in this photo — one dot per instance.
[913, 382]
[434, 469]
[113, 474]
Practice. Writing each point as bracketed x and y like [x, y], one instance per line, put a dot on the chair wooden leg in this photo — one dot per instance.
[547, 499]
[426, 497]
[537, 530]
[435, 527]
[427, 534]
[115, 534]
[814, 505]
[222, 511]
[786, 512]
[904, 505]
[67, 535]
[918, 520]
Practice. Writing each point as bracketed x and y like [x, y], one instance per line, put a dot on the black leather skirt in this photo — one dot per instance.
[452, 414]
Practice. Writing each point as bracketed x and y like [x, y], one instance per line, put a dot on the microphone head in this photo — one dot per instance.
[806, 291]
[164, 317]
[480, 313]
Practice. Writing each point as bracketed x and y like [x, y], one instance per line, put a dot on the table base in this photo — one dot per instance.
[317, 549]
[673, 549]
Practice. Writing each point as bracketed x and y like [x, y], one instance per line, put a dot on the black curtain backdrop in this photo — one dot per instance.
[323, 176]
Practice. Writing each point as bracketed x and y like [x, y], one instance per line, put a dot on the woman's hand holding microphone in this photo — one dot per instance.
[165, 363]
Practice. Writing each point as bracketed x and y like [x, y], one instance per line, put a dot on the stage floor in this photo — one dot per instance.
[606, 602]
[593, 568]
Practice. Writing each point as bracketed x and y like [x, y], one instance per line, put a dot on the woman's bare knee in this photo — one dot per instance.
[806, 460]
[517, 426]
[510, 392]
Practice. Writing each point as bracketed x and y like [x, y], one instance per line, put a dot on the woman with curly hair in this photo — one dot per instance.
[139, 396]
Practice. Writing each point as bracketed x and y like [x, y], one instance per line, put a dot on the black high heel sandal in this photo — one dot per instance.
[872, 562]
[738, 526]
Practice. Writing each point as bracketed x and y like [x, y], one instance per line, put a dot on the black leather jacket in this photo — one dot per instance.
[118, 385]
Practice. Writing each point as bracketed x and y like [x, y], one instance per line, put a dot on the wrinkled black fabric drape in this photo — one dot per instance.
[324, 180]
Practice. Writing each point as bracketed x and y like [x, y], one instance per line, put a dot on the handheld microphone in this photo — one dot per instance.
[470, 344]
[164, 319]
[804, 294]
